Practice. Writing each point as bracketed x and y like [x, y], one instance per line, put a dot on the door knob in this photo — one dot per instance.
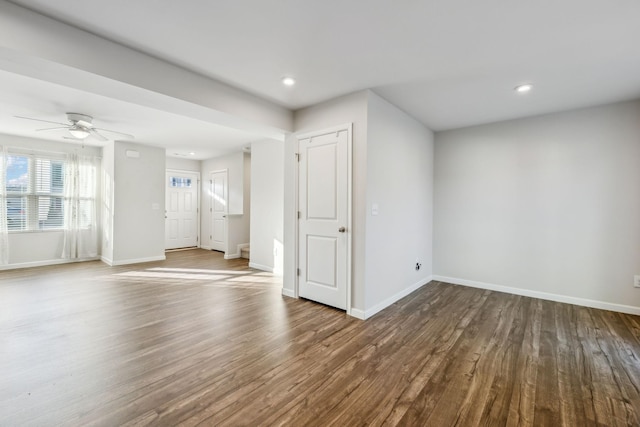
[342, 229]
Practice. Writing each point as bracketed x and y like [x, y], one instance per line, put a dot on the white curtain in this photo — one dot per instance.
[80, 226]
[4, 231]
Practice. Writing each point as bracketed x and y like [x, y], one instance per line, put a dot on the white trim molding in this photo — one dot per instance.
[393, 299]
[238, 253]
[357, 313]
[289, 293]
[133, 260]
[45, 263]
[261, 267]
[628, 309]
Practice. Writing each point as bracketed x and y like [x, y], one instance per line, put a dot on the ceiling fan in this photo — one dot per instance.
[80, 126]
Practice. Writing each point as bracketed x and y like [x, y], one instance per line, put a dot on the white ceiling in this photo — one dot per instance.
[178, 134]
[449, 63]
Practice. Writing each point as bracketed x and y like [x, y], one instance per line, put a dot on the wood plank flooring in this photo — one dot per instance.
[197, 340]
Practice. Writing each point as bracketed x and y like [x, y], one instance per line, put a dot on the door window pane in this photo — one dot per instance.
[179, 181]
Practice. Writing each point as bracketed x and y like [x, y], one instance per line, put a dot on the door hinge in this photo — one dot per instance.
[298, 272]
[299, 215]
[298, 156]
[210, 237]
[197, 238]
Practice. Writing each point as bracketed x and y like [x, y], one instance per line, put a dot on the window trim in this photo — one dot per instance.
[32, 196]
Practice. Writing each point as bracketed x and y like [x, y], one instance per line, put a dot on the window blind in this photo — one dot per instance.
[35, 192]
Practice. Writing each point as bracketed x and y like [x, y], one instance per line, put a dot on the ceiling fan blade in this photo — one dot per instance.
[65, 127]
[113, 131]
[96, 134]
[38, 120]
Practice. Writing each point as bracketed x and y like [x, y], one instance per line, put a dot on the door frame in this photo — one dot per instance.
[197, 173]
[299, 136]
[226, 215]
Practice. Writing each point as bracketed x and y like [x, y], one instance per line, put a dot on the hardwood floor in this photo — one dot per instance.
[200, 340]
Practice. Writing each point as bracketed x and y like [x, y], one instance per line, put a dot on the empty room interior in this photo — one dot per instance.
[319, 213]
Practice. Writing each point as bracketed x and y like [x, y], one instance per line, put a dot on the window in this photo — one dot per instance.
[178, 181]
[35, 192]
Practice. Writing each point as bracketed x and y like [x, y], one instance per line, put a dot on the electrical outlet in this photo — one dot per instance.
[636, 281]
[418, 265]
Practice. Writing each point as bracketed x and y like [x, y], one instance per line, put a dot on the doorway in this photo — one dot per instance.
[219, 210]
[324, 218]
[181, 209]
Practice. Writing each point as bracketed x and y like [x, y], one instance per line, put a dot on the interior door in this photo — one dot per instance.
[219, 209]
[181, 204]
[323, 218]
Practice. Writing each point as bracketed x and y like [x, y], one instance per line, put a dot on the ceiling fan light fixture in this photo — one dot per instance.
[78, 132]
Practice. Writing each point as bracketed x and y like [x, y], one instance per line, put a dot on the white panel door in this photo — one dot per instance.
[322, 229]
[219, 209]
[181, 207]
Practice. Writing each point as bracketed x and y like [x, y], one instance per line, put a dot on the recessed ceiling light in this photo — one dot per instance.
[523, 88]
[288, 81]
[192, 153]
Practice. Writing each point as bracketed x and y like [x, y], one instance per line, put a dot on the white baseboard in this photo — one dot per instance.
[357, 313]
[288, 293]
[261, 267]
[394, 298]
[542, 295]
[238, 252]
[205, 247]
[133, 260]
[45, 263]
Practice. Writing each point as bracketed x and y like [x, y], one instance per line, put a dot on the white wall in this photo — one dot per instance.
[107, 200]
[40, 47]
[544, 206]
[239, 225]
[237, 219]
[347, 109]
[42, 247]
[177, 163]
[267, 204]
[139, 200]
[400, 182]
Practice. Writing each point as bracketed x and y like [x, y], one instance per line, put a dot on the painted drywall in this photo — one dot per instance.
[139, 200]
[547, 205]
[177, 163]
[37, 46]
[239, 225]
[40, 247]
[107, 200]
[400, 188]
[234, 164]
[347, 109]
[267, 204]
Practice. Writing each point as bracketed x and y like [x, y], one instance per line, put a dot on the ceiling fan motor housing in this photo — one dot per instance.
[80, 119]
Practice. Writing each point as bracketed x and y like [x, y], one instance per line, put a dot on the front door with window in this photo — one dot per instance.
[181, 224]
